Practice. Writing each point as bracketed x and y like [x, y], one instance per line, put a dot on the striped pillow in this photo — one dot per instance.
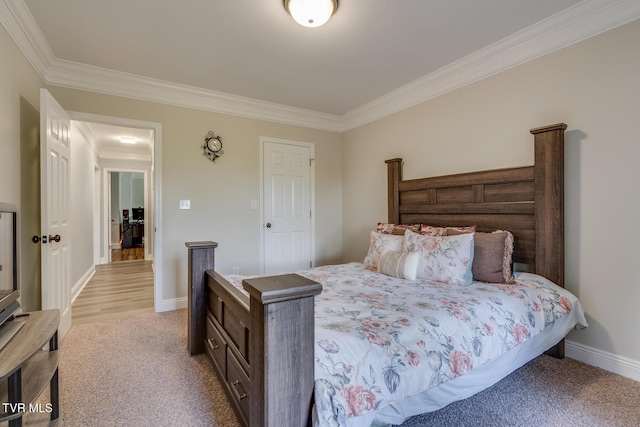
[401, 264]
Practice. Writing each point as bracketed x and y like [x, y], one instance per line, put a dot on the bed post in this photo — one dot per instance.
[549, 210]
[282, 349]
[394, 176]
[201, 259]
[549, 197]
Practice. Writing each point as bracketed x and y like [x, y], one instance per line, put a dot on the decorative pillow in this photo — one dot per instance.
[397, 229]
[429, 230]
[492, 257]
[378, 243]
[445, 259]
[401, 264]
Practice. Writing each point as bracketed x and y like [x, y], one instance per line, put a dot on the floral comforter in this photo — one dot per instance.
[380, 339]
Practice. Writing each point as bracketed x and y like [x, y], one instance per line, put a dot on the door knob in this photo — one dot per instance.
[55, 238]
[268, 225]
[36, 239]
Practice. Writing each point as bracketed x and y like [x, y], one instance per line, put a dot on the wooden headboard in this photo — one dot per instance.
[528, 201]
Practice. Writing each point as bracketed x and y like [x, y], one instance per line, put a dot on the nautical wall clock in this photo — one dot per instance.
[212, 147]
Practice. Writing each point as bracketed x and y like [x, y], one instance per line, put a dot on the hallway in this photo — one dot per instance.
[116, 290]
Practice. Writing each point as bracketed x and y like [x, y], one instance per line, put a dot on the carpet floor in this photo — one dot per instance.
[137, 372]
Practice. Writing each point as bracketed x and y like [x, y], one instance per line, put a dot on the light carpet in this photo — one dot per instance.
[137, 372]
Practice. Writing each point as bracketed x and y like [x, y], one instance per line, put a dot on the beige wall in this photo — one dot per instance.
[220, 192]
[594, 87]
[19, 170]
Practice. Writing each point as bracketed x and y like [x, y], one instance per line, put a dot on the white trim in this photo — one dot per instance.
[172, 304]
[312, 185]
[97, 214]
[80, 284]
[156, 229]
[16, 18]
[575, 24]
[608, 361]
[586, 19]
[102, 80]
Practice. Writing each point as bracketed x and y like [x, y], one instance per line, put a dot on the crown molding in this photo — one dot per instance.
[586, 19]
[575, 24]
[19, 23]
[101, 80]
[17, 20]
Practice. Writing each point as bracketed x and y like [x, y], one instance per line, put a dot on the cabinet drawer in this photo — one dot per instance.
[236, 330]
[216, 346]
[239, 384]
[215, 305]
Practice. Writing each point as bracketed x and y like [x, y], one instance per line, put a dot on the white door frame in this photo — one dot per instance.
[155, 189]
[107, 208]
[97, 224]
[311, 146]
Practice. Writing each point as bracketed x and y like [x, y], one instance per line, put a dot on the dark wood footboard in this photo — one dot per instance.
[261, 346]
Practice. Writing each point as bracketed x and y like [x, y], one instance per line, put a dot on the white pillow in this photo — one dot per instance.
[378, 243]
[444, 259]
[401, 264]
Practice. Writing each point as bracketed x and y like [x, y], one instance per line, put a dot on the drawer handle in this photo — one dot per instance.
[240, 396]
[213, 343]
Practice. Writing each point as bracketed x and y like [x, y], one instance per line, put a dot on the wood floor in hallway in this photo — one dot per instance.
[116, 290]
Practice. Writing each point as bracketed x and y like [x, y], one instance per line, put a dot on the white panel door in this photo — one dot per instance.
[287, 207]
[54, 216]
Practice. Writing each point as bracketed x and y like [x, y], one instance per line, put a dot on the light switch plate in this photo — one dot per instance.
[185, 204]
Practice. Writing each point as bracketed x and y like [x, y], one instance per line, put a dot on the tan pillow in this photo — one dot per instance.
[399, 264]
[430, 230]
[492, 257]
[397, 229]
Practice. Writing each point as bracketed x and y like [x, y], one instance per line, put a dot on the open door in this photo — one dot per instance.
[54, 193]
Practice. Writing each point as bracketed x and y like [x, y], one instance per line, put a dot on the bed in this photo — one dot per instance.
[348, 345]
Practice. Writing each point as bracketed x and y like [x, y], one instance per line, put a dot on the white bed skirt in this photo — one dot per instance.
[468, 384]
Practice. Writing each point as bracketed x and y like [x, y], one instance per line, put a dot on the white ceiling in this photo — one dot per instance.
[108, 144]
[249, 58]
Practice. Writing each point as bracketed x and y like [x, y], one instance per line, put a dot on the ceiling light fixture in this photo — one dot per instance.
[128, 140]
[311, 13]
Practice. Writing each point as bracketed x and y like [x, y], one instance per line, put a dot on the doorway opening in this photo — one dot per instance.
[136, 169]
[127, 199]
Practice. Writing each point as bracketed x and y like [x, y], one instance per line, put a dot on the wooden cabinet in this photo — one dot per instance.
[222, 349]
[262, 346]
[26, 370]
[132, 235]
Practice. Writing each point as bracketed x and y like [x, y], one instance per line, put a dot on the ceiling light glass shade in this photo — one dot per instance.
[311, 13]
[128, 140]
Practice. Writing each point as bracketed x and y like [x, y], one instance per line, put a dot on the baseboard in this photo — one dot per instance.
[171, 304]
[80, 284]
[608, 361]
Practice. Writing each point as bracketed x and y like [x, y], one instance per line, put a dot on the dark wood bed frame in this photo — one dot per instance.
[262, 346]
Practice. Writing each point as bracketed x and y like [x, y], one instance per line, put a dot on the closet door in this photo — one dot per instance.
[287, 212]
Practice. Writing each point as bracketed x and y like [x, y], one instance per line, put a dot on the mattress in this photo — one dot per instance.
[388, 348]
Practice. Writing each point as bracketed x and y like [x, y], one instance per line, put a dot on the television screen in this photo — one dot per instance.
[137, 214]
[9, 288]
